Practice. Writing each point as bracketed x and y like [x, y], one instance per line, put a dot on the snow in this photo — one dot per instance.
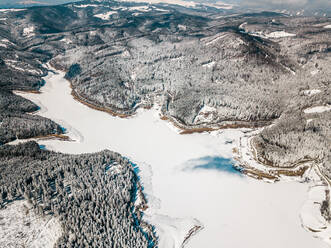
[206, 114]
[161, 10]
[310, 212]
[86, 5]
[177, 2]
[317, 109]
[214, 39]
[309, 120]
[18, 66]
[209, 65]
[182, 27]
[105, 16]
[66, 40]
[219, 5]
[20, 225]
[28, 31]
[314, 72]
[279, 34]
[311, 92]
[327, 26]
[11, 10]
[242, 25]
[140, 8]
[172, 230]
[227, 205]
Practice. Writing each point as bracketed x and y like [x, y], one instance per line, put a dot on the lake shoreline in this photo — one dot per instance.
[173, 207]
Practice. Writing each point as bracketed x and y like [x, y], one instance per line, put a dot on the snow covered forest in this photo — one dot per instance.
[237, 71]
[92, 195]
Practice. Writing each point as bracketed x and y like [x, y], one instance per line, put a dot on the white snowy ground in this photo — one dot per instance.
[11, 10]
[177, 2]
[235, 211]
[20, 227]
[310, 212]
[105, 16]
[280, 34]
[317, 109]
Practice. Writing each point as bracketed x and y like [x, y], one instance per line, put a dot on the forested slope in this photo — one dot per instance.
[93, 195]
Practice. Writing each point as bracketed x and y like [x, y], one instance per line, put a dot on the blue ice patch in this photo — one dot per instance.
[214, 163]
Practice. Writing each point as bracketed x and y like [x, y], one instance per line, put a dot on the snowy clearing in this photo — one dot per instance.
[209, 65]
[177, 2]
[219, 5]
[140, 8]
[314, 72]
[205, 114]
[28, 32]
[21, 227]
[317, 109]
[311, 92]
[105, 16]
[182, 27]
[279, 34]
[180, 196]
[66, 40]
[11, 10]
[86, 5]
[309, 120]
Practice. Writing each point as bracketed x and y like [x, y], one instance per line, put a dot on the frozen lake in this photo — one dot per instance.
[188, 179]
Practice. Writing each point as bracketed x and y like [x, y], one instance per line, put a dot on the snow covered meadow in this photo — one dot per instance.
[188, 179]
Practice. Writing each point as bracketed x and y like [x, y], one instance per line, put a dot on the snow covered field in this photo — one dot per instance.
[279, 34]
[105, 16]
[188, 179]
[21, 227]
[317, 109]
[11, 10]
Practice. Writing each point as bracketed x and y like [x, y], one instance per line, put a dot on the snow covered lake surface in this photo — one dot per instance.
[188, 179]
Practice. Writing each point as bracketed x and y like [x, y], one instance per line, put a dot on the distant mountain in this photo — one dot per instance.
[28, 3]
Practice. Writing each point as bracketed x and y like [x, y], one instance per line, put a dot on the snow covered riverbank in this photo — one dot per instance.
[182, 188]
